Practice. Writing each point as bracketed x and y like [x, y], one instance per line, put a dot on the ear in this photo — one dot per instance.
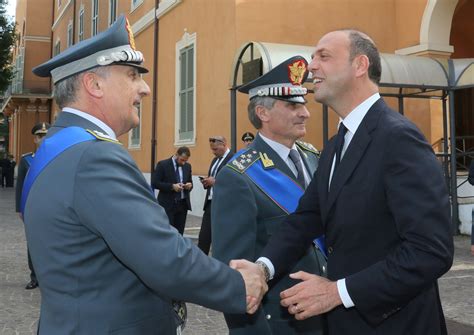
[262, 113]
[93, 84]
[361, 63]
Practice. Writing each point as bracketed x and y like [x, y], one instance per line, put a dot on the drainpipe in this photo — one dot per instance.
[154, 107]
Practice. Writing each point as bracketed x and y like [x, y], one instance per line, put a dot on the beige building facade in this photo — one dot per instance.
[192, 44]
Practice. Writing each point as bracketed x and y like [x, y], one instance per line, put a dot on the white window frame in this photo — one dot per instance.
[80, 30]
[70, 36]
[132, 145]
[186, 41]
[95, 17]
[113, 7]
[165, 6]
[134, 4]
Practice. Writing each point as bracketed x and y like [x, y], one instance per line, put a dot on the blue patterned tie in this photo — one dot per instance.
[296, 159]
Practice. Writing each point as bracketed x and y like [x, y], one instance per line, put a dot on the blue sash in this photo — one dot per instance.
[282, 190]
[49, 149]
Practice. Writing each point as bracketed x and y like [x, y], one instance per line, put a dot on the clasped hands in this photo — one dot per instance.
[312, 296]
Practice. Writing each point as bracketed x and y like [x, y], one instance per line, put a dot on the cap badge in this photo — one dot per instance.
[131, 39]
[296, 72]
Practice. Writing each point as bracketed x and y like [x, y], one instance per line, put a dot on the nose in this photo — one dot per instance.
[144, 89]
[303, 112]
[313, 65]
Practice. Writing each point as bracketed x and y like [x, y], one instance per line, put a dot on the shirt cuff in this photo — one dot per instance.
[268, 263]
[345, 297]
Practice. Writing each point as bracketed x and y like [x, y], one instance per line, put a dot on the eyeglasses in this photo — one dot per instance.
[214, 140]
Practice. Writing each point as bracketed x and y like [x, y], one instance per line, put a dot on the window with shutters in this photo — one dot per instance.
[80, 33]
[186, 90]
[112, 11]
[95, 17]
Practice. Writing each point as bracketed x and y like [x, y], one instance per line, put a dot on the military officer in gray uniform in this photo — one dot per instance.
[39, 131]
[107, 260]
[261, 185]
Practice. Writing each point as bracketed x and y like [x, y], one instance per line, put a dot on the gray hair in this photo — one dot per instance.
[266, 102]
[65, 91]
[362, 44]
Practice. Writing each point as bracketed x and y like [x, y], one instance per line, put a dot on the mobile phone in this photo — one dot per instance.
[201, 177]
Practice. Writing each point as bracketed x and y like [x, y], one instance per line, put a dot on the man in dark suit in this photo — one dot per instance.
[39, 131]
[222, 154]
[261, 185]
[387, 226]
[173, 178]
[106, 257]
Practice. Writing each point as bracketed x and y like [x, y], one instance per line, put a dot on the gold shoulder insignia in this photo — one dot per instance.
[244, 160]
[307, 147]
[267, 162]
[102, 137]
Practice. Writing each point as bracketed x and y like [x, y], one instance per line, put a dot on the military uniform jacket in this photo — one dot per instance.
[23, 167]
[243, 219]
[106, 257]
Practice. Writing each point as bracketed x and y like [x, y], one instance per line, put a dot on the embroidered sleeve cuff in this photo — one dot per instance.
[269, 265]
[345, 297]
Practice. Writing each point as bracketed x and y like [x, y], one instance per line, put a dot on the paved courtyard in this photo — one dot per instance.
[19, 308]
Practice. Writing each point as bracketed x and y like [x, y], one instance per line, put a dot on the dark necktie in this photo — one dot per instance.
[296, 159]
[339, 144]
[178, 195]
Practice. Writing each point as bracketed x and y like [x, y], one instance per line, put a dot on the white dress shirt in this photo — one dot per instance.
[351, 122]
[284, 152]
[215, 166]
[92, 119]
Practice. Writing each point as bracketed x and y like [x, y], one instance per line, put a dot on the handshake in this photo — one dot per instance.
[255, 282]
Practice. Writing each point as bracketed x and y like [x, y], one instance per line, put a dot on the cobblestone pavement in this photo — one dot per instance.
[19, 308]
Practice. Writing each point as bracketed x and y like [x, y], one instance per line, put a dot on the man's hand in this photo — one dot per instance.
[313, 296]
[254, 279]
[177, 187]
[208, 182]
[188, 186]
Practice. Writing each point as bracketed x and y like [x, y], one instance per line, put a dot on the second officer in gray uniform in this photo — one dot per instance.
[256, 190]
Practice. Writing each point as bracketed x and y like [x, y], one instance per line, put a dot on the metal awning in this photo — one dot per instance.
[402, 77]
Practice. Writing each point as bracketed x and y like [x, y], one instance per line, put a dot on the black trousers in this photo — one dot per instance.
[205, 234]
[177, 215]
[30, 266]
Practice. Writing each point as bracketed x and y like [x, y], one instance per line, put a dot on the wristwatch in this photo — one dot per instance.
[266, 271]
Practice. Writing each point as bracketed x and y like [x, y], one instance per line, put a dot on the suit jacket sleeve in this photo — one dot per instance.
[470, 178]
[159, 180]
[417, 198]
[124, 213]
[294, 237]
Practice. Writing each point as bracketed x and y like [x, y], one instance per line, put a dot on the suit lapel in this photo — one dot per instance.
[353, 154]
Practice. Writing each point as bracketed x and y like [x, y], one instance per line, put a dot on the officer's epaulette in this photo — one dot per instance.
[27, 154]
[307, 147]
[243, 161]
[102, 137]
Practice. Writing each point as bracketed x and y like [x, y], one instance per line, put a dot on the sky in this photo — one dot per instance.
[11, 7]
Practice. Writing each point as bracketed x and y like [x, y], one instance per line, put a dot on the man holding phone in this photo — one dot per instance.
[173, 178]
[222, 153]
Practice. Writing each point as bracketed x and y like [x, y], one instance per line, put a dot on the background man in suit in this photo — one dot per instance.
[104, 252]
[387, 225]
[222, 154]
[39, 131]
[173, 177]
[246, 210]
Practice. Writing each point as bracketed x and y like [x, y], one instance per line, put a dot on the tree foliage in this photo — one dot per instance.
[7, 40]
